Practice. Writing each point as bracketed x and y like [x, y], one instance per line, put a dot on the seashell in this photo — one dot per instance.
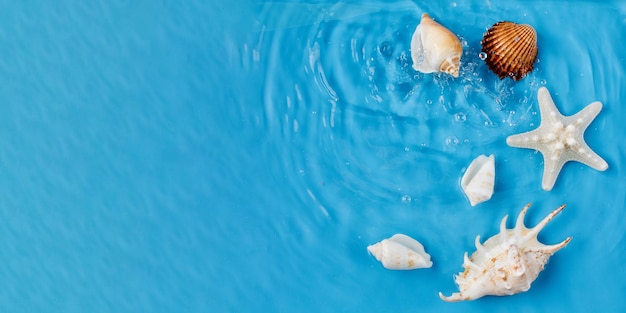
[506, 263]
[400, 252]
[479, 178]
[511, 49]
[434, 48]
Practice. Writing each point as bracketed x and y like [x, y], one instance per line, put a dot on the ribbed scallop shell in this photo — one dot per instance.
[511, 49]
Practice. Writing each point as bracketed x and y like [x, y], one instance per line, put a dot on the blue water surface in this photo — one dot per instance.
[218, 156]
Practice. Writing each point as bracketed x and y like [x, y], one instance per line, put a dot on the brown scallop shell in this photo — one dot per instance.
[511, 49]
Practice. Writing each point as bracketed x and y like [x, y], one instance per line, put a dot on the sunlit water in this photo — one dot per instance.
[240, 156]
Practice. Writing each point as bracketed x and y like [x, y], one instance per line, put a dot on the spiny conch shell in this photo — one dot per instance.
[400, 252]
[511, 49]
[434, 48]
[506, 263]
[479, 178]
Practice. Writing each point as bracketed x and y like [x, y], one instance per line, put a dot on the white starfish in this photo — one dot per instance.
[560, 138]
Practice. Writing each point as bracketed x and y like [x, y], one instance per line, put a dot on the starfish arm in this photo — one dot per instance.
[526, 140]
[587, 115]
[551, 170]
[546, 105]
[585, 155]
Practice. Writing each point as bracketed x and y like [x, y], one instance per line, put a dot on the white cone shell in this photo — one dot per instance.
[400, 252]
[479, 179]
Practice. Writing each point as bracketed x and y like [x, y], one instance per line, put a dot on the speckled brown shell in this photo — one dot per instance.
[511, 49]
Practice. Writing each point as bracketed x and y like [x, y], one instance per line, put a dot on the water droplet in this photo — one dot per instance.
[385, 49]
[452, 141]
[420, 59]
[429, 102]
[406, 149]
[543, 82]
[406, 198]
[460, 117]
[482, 56]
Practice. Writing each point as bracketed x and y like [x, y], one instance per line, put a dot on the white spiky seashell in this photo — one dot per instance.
[435, 48]
[479, 178]
[400, 252]
[506, 263]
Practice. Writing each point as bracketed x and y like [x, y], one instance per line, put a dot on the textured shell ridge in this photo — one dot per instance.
[451, 65]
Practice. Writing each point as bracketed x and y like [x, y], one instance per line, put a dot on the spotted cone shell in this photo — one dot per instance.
[511, 49]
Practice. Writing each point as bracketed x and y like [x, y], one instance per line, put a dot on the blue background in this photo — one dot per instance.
[232, 156]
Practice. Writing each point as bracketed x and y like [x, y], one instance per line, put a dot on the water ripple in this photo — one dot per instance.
[369, 107]
[372, 145]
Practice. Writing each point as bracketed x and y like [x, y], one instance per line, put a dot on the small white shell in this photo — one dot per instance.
[435, 48]
[479, 179]
[506, 263]
[400, 252]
